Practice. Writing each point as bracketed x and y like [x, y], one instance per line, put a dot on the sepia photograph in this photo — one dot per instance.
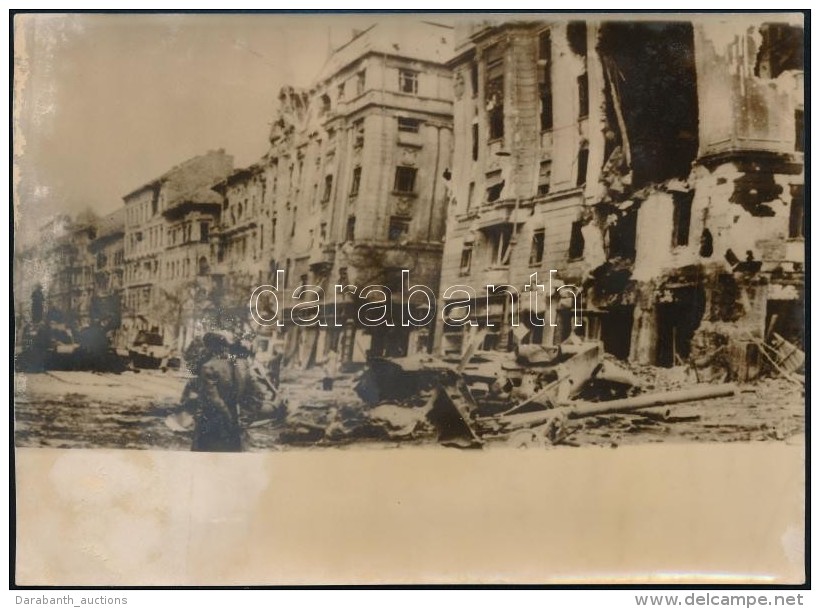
[439, 239]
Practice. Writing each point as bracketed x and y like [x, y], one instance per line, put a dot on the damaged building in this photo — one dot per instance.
[656, 166]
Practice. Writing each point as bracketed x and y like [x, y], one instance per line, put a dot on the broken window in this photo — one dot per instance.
[409, 81]
[466, 259]
[576, 241]
[355, 181]
[405, 179]
[544, 176]
[340, 92]
[494, 186]
[350, 230]
[799, 130]
[408, 125]
[399, 227]
[537, 247]
[681, 217]
[328, 188]
[360, 76]
[545, 78]
[583, 95]
[796, 221]
[621, 236]
[499, 238]
[583, 161]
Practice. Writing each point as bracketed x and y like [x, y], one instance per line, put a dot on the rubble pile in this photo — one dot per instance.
[533, 395]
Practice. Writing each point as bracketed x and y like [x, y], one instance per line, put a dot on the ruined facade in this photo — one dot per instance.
[654, 166]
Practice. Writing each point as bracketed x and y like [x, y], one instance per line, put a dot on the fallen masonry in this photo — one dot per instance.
[530, 396]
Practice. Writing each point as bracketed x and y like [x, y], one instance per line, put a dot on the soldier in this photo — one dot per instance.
[223, 395]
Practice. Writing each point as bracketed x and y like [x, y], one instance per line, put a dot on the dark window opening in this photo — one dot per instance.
[796, 219]
[474, 78]
[350, 231]
[405, 179]
[781, 49]
[360, 76]
[399, 227]
[466, 260]
[544, 177]
[545, 78]
[583, 95]
[204, 267]
[470, 195]
[325, 104]
[328, 188]
[537, 247]
[408, 125]
[799, 131]
[500, 238]
[577, 37]
[676, 325]
[576, 241]
[621, 236]
[681, 217]
[408, 81]
[616, 331]
[583, 161]
[475, 141]
[495, 107]
[494, 192]
[355, 181]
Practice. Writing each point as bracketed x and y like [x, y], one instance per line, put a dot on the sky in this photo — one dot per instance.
[105, 103]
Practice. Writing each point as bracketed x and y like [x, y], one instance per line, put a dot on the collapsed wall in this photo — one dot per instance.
[698, 216]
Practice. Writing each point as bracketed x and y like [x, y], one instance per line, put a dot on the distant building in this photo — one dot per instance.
[108, 251]
[170, 246]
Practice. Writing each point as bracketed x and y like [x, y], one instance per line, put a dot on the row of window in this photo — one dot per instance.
[408, 83]
[495, 185]
[500, 241]
[172, 269]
